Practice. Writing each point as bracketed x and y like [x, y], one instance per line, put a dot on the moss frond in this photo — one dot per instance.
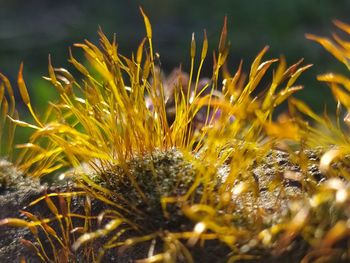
[7, 107]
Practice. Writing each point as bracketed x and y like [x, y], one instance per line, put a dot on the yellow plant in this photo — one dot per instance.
[103, 121]
[7, 128]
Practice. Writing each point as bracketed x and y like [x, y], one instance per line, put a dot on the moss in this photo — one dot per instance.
[211, 170]
[158, 174]
[145, 180]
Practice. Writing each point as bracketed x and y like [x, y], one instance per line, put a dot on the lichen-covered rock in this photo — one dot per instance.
[278, 179]
[12, 180]
[16, 192]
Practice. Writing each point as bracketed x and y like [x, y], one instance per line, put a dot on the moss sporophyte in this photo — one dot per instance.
[179, 169]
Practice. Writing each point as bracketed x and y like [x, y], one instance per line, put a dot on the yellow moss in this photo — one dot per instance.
[103, 120]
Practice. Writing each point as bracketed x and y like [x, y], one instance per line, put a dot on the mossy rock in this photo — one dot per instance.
[161, 174]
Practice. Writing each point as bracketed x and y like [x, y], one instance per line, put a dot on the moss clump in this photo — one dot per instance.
[157, 174]
[144, 181]
[210, 167]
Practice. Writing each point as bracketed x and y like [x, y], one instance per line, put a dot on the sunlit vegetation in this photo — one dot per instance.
[186, 165]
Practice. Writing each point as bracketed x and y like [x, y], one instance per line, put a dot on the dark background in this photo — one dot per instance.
[31, 29]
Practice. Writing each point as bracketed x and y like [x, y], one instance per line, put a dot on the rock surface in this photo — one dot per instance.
[17, 191]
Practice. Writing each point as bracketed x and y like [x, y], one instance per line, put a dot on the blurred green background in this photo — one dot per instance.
[31, 29]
